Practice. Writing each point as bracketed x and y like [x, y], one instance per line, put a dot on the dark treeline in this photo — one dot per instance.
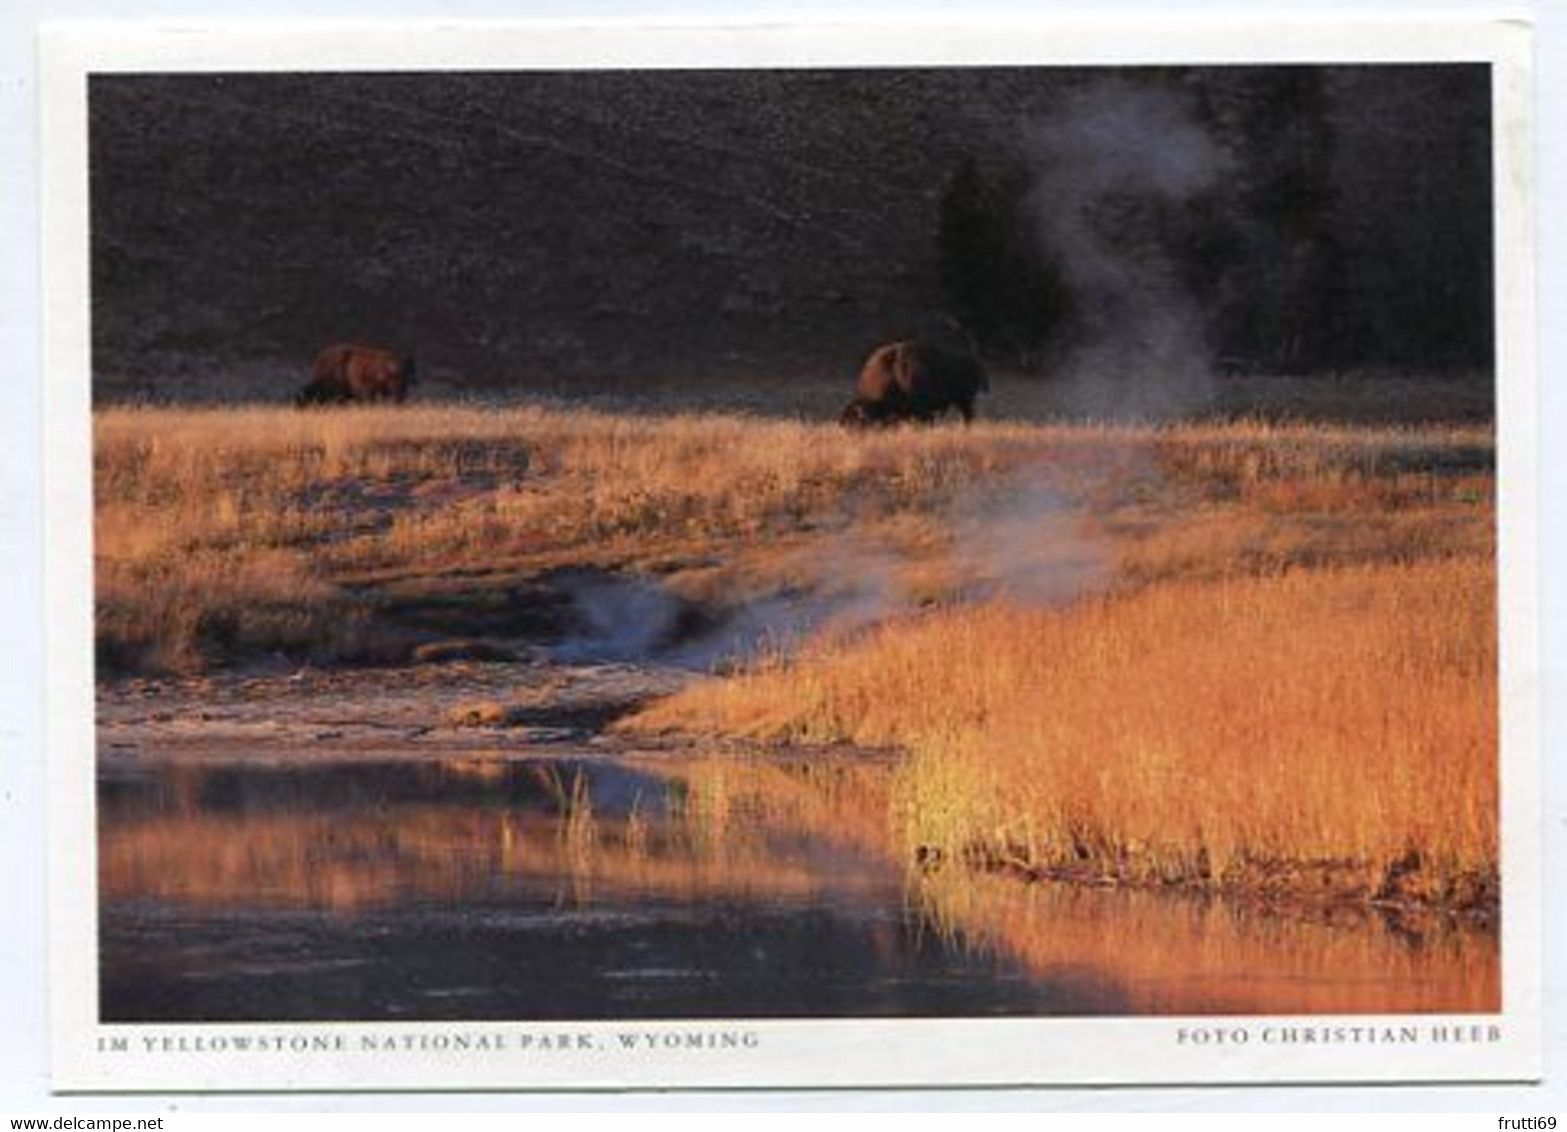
[1270, 219]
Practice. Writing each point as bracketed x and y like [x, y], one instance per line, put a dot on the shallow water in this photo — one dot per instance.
[659, 887]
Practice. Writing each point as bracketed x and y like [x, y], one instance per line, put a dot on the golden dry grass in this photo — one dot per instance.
[1186, 730]
[1289, 681]
[1275, 645]
[225, 534]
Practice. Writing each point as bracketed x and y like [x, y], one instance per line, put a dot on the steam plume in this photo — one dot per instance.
[1112, 173]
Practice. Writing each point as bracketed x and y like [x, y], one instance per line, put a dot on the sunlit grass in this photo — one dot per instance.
[1202, 731]
[1288, 682]
[1237, 653]
[227, 534]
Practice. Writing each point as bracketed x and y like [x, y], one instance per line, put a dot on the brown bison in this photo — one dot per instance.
[345, 373]
[914, 381]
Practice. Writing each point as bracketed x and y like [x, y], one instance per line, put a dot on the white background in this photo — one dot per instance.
[23, 913]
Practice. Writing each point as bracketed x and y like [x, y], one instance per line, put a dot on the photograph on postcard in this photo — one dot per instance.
[717, 544]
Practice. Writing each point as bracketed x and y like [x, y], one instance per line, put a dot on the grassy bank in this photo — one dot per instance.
[1321, 729]
[1232, 655]
[1285, 687]
[228, 535]
[224, 535]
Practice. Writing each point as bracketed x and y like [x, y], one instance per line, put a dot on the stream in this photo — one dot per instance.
[579, 882]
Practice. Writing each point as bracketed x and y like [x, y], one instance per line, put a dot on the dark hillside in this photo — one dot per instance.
[725, 224]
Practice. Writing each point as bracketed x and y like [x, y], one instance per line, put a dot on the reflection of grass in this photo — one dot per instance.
[704, 808]
[637, 835]
[1166, 955]
[578, 828]
[676, 850]
[807, 830]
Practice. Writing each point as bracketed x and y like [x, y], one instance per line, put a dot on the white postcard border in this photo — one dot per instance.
[730, 1054]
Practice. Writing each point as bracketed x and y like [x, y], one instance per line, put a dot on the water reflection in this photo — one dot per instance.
[359, 836]
[1157, 953]
[716, 887]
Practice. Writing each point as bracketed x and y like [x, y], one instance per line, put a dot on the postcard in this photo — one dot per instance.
[642, 556]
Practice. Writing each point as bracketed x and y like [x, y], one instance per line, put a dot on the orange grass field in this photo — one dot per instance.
[1273, 667]
[1343, 719]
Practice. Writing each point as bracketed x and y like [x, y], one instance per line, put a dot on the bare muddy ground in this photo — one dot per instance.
[423, 711]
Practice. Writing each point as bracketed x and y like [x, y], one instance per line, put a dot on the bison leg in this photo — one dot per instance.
[316, 393]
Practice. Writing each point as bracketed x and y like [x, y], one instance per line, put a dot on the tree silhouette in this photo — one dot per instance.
[995, 281]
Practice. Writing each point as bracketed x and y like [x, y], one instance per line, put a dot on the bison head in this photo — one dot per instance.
[856, 415]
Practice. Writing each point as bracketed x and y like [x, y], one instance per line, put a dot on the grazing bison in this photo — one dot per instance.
[914, 381]
[344, 374]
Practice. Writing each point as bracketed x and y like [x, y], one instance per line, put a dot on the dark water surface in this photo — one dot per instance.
[595, 888]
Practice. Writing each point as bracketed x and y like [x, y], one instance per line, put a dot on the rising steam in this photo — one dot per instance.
[1012, 538]
[1111, 172]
